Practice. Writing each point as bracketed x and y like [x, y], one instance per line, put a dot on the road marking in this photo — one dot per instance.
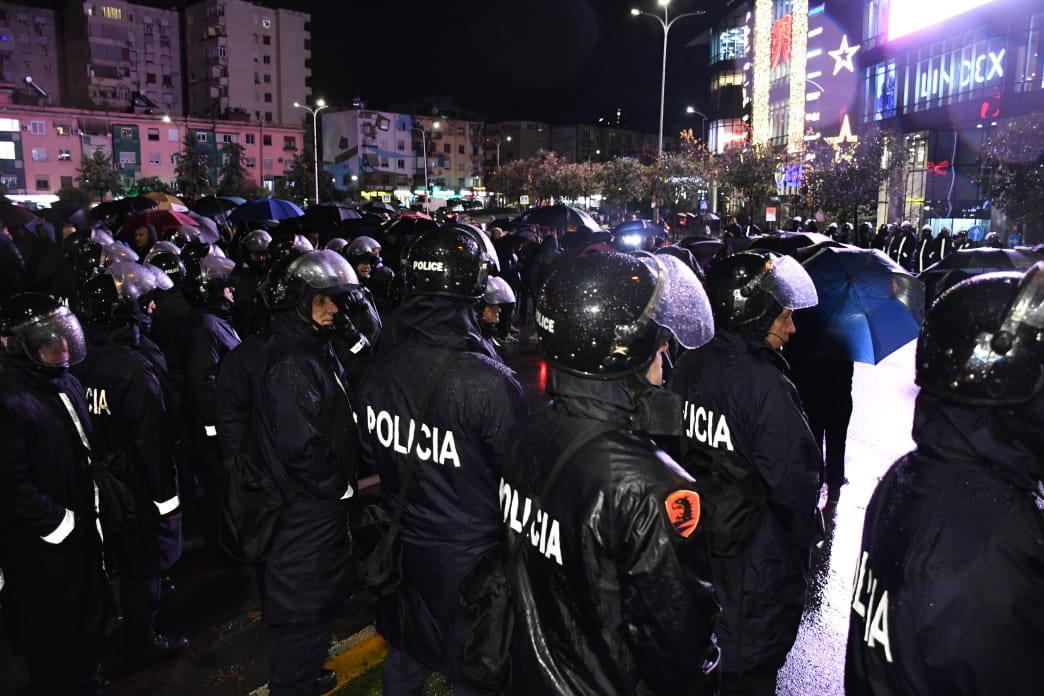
[349, 658]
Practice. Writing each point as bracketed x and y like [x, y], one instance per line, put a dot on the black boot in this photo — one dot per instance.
[326, 681]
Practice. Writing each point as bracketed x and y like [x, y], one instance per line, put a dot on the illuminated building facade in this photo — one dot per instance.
[944, 73]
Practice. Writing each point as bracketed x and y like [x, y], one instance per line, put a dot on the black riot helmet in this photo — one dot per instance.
[364, 250]
[97, 257]
[169, 263]
[255, 249]
[748, 290]
[182, 235]
[77, 243]
[287, 246]
[112, 297]
[337, 244]
[454, 261]
[205, 281]
[312, 273]
[604, 316]
[982, 341]
[498, 292]
[34, 326]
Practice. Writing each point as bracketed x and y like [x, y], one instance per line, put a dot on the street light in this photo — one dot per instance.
[666, 24]
[498, 142]
[319, 106]
[424, 151]
[703, 129]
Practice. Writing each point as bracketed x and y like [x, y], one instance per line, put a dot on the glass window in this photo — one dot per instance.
[43, 183]
[289, 142]
[201, 137]
[172, 135]
[400, 164]
[39, 154]
[36, 127]
[266, 163]
[154, 158]
[267, 60]
[128, 158]
[251, 162]
[266, 40]
[64, 155]
[250, 139]
[66, 182]
[266, 140]
[153, 134]
[268, 97]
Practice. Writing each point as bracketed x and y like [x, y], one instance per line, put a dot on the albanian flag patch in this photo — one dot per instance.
[683, 509]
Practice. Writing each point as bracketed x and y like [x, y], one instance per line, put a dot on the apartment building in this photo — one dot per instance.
[29, 53]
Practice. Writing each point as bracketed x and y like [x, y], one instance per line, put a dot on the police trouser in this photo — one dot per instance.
[298, 653]
[405, 676]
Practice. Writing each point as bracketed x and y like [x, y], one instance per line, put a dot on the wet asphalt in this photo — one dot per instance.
[217, 606]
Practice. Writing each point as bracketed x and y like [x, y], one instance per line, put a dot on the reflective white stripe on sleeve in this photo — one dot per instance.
[63, 529]
[358, 346]
[167, 505]
[348, 493]
[210, 431]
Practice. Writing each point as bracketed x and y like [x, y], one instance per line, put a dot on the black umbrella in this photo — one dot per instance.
[380, 207]
[563, 218]
[965, 263]
[118, 210]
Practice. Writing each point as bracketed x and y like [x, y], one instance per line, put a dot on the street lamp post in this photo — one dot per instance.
[424, 152]
[319, 106]
[666, 23]
[704, 135]
[498, 142]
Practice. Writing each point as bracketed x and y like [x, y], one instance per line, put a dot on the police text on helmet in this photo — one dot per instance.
[543, 533]
[437, 266]
[398, 434]
[544, 322]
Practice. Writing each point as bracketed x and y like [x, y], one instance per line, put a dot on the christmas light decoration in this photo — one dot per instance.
[761, 129]
[798, 72]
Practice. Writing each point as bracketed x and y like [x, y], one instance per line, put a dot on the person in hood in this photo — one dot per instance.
[948, 588]
[738, 399]
[303, 433]
[50, 549]
[612, 589]
[433, 344]
[128, 407]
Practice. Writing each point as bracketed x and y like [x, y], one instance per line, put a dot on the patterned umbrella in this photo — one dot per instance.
[165, 201]
[162, 220]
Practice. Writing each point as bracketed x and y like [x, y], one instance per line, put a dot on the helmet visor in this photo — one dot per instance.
[53, 340]
[159, 247]
[1028, 307]
[498, 292]
[325, 272]
[117, 252]
[680, 303]
[788, 282]
[137, 280]
[216, 268]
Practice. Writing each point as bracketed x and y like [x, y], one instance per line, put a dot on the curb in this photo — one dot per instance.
[349, 658]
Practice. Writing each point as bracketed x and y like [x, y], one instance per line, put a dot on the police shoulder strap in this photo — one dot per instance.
[592, 430]
[448, 359]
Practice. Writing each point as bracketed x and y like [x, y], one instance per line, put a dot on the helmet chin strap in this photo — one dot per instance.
[782, 341]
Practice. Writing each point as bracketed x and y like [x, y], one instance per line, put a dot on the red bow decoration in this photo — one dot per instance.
[941, 168]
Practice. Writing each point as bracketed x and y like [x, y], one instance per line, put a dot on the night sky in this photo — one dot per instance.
[561, 61]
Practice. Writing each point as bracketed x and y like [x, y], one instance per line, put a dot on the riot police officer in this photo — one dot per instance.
[738, 400]
[128, 409]
[617, 540]
[497, 301]
[50, 549]
[246, 276]
[304, 434]
[947, 598]
[209, 337]
[434, 346]
[364, 253]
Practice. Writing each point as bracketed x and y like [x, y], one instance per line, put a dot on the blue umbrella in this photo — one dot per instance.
[869, 306]
[263, 209]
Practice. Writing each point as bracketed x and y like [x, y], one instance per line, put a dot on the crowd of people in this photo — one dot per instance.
[668, 402]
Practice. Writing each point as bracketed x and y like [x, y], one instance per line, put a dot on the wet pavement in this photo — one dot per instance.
[217, 605]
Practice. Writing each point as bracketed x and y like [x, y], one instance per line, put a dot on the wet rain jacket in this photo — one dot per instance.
[949, 592]
[738, 398]
[451, 517]
[209, 337]
[612, 599]
[55, 591]
[302, 424]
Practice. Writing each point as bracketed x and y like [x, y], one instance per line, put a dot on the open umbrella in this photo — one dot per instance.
[162, 220]
[214, 207]
[380, 207]
[120, 208]
[704, 249]
[208, 229]
[563, 218]
[965, 263]
[14, 215]
[165, 201]
[869, 306]
[263, 209]
[238, 200]
[790, 242]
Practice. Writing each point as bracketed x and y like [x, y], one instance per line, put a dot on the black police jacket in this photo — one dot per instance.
[54, 589]
[902, 248]
[235, 401]
[244, 281]
[949, 591]
[451, 517]
[303, 433]
[170, 324]
[129, 411]
[612, 591]
[737, 398]
[208, 339]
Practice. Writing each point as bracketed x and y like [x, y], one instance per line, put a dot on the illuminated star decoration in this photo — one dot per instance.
[845, 135]
[843, 55]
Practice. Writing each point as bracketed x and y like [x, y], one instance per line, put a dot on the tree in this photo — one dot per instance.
[546, 172]
[232, 177]
[97, 176]
[623, 181]
[678, 176]
[299, 183]
[846, 181]
[152, 184]
[749, 173]
[72, 194]
[578, 180]
[193, 170]
[1012, 171]
[512, 180]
